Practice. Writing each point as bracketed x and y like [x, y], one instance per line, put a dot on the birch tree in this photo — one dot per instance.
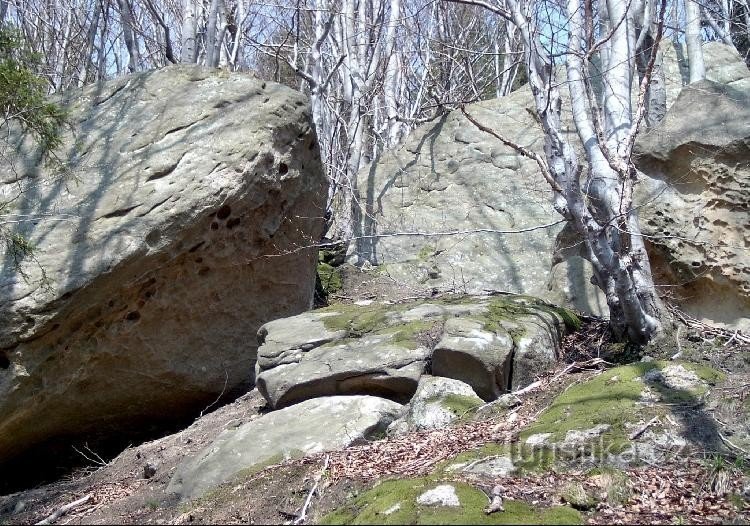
[597, 200]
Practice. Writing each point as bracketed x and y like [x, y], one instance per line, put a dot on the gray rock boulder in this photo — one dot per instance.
[451, 176]
[439, 401]
[479, 357]
[373, 364]
[174, 237]
[310, 427]
[697, 201]
[382, 349]
[537, 344]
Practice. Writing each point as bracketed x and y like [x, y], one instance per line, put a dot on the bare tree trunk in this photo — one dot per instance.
[189, 53]
[212, 42]
[89, 50]
[391, 84]
[693, 41]
[128, 34]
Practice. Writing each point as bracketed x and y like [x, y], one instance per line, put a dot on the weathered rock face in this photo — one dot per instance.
[383, 349]
[176, 235]
[697, 203]
[451, 176]
[479, 357]
[312, 426]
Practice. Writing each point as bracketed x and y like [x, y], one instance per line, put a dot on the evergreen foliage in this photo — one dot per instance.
[25, 110]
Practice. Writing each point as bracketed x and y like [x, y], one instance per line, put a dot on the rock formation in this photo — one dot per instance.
[696, 203]
[451, 176]
[180, 227]
[309, 427]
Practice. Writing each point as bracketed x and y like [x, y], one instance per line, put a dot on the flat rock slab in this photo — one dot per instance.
[383, 349]
[322, 424]
[178, 238]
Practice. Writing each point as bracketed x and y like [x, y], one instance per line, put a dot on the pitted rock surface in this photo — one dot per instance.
[175, 236]
[698, 209]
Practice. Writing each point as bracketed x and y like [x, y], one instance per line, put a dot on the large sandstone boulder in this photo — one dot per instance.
[179, 231]
[449, 176]
[322, 424]
[697, 202]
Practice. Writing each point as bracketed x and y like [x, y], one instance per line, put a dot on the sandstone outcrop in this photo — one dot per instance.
[178, 231]
[312, 426]
[696, 202]
[450, 176]
[383, 349]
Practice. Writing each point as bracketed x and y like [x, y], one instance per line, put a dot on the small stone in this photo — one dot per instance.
[443, 495]
[149, 470]
[539, 440]
[492, 467]
[392, 509]
[578, 437]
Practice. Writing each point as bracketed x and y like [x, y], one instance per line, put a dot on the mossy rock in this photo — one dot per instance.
[395, 502]
[330, 278]
[460, 405]
[612, 399]
[512, 307]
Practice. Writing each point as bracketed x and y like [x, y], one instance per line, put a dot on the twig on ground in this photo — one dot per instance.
[64, 509]
[308, 500]
[531, 387]
[638, 432]
[209, 406]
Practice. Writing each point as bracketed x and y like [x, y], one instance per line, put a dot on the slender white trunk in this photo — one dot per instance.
[189, 32]
[212, 40]
[129, 36]
[391, 82]
[693, 41]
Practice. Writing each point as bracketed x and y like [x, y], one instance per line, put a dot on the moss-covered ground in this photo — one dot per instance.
[395, 502]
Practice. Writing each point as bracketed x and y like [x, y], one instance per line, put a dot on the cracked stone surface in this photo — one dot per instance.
[478, 357]
[295, 366]
[310, 355]
[322, 424]
[180, 224]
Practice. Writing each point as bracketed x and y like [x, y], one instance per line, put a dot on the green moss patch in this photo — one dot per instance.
[612, 399]
[510, 308]
[459, 405]
[609, 399]
[407, 334]
[330, 278]
[357, 320]
[395, 502]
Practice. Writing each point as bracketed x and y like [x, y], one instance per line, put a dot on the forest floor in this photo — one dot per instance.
[708, 487]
